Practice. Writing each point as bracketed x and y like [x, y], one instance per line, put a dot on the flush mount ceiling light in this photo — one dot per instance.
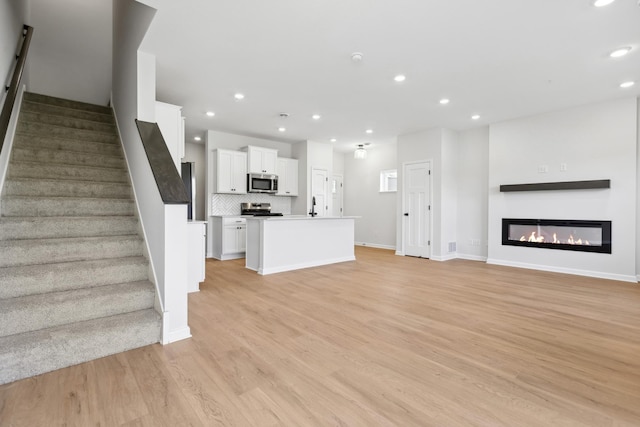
[210, 113]
[360, 152]
[475, 117]
[316, 117]
[619, 53]
[400, 78]
[369, 131]
[197, 138]
[626, 85]
[444, 101]
[601, 3]
[281, 129]
[238, 96]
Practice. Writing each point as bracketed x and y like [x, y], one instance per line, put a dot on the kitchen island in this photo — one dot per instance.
[276, 244]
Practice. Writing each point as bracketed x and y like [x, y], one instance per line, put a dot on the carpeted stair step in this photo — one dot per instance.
[41, 278]
[32, 353]
[49, 143]
[53, 171]
[58, 188]
[44, 251]
[20, 228]
[13, 206]
[66, 103]
[35, 107]
[42, 129]
[68, 122]
[66, 157]
[34, 312]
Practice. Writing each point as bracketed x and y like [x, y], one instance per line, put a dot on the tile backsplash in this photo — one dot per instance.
[229, 204]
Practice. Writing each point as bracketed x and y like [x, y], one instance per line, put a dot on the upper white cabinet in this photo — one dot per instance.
[230, 174]
[287, 172]
[171, 124]
[262, 160]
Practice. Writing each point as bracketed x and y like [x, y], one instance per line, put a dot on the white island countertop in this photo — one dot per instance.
[291, 242]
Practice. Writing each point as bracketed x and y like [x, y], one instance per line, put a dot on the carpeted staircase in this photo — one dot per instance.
[73, 279]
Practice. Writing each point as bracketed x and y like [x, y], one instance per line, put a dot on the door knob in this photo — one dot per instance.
[406, 214]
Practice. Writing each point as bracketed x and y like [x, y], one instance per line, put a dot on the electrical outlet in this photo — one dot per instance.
[543, 168]
[563, 167]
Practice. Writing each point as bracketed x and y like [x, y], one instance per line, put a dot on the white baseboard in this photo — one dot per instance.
[577, 272]
[399, 253]
[447, 257]
[265, 271]
[472, 257]
[375, 245]
[638, 278]
[177, 335]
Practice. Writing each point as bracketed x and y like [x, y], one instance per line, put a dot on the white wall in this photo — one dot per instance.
[196, 153]
[230, 141]
[299, 204]
[362, 196]
[13, 15]
[597, 141]
[448, 194]
[473, 186]
[71, 49]
[638, 195]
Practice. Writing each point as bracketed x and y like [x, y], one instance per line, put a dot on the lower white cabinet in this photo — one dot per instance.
[228, 237]
[196, 231]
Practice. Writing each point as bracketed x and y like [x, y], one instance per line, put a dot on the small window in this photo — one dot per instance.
[389, 181]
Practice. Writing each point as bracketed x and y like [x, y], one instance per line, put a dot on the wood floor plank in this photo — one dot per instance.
[381, 341]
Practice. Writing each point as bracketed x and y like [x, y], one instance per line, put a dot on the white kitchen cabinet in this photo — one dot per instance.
[287, 172]
[228, 237]
[230, 174]
[196, 231]
[261, 160]
[171, 124]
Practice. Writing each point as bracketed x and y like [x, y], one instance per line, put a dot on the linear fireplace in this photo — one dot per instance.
[571, 235]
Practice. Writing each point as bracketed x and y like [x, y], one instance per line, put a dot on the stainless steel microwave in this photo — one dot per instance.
[262, 183]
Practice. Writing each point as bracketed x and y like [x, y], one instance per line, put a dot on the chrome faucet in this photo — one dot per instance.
[313, 207]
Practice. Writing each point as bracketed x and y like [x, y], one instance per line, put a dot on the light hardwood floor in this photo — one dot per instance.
[382, 341]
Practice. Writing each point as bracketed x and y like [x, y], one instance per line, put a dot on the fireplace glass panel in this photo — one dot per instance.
[575, 235]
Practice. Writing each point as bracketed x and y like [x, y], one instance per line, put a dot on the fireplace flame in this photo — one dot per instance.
[540, 239]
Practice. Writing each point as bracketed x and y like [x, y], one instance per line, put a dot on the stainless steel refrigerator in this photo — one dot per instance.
[189, 179]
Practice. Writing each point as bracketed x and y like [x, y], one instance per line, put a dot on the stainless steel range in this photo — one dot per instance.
[257, 209]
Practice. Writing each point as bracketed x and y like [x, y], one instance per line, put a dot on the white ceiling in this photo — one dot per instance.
[500, 59]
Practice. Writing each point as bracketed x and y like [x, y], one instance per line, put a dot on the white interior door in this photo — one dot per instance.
[417, 213]
[336, 195]
[319, 190]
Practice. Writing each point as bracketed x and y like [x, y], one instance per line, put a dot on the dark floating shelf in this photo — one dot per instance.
[551, 186]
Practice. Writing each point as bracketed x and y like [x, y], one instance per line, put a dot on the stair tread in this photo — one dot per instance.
[56, 180]
[62, 116]
[97, 218]
[56, 297]
[35, 107]
[43, 198]
[70, 151]
[59, 138]
[55, 240]
[33, 353]
[111, 133]
[65, 103]
[43, 278]
[75, 166]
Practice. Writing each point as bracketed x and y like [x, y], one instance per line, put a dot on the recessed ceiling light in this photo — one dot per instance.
[475, 117]
[282, 129]
[600, 3]
[238, 96]
[316, 117]
[400, 78]
[369, 131]
[444, 101]
[333, 140]
[626, 85]
[210, 113]
[197, 138]
[618, 53]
